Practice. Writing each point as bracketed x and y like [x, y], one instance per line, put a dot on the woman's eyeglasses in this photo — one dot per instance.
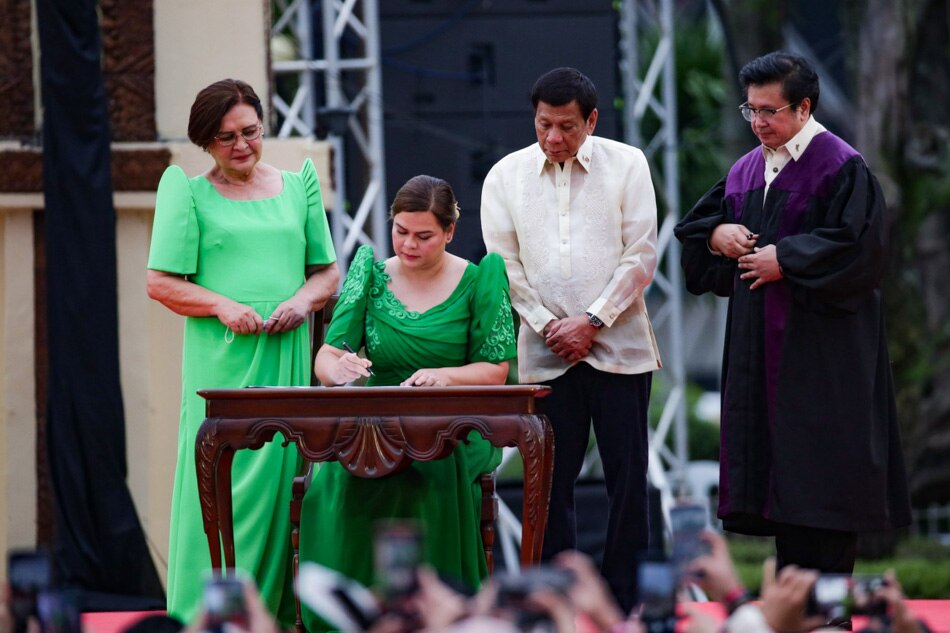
[251, 133]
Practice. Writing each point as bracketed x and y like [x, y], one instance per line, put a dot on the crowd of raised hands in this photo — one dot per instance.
[565, 596]
[569, 595]
[787, 600]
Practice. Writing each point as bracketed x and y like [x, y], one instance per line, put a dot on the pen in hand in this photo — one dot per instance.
[347, 347]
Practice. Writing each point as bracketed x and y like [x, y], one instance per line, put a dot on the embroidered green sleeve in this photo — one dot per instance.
[354, 286]
[501, 338]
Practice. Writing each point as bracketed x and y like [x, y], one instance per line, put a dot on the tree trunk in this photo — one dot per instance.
[903, 82]
[926, 168]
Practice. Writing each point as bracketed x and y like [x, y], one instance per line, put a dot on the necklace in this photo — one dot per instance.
[239, 182]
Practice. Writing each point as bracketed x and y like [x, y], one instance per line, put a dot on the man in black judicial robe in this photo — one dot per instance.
[795, 236]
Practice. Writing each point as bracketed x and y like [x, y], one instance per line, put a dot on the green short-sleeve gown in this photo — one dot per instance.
[255, 252]
[340, 510]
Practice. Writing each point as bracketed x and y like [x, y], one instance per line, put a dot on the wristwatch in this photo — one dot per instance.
[594, 320]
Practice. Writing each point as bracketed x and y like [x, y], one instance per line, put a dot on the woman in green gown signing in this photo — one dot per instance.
[425, 318]
[243, 251]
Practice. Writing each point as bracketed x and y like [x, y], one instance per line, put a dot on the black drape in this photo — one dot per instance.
[98, 544]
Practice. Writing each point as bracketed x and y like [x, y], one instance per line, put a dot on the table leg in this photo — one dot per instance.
[537, 450]
[225, 511]
[207, 449]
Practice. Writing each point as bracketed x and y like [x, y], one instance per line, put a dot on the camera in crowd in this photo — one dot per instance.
[687, 522]
[33, 594]
[348, 605]
[836, 596]
[397, 554]
[514, 590]
[657, 583]
[224, 605]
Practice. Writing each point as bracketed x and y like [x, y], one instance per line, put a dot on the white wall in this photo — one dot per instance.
[17, 383]
[198, 42]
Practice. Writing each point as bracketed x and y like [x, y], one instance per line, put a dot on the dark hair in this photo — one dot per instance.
[799, 80]
[213, 102]
[427, 193]
[561, 86]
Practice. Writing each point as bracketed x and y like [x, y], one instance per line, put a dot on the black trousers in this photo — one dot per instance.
[827, 551]
[617, 405]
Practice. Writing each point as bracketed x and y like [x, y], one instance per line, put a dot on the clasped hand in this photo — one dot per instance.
[243, 319]
[570, 338]
[732, 240]
[761, 266]
[288, 316]
[735, 241]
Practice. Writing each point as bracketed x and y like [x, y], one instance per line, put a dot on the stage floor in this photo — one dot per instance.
[936, 613]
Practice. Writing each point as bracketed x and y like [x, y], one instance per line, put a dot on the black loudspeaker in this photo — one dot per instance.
[457, 76]
[590, 496]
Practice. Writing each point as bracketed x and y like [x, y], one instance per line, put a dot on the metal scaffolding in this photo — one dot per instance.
[651, 89]
[349, 104]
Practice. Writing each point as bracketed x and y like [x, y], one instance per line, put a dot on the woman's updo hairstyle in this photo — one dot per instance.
[213, 102]
[427, 193]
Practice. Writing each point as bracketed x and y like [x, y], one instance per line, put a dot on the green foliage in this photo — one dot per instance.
[922, 565]
[919, 577]
[703, 439]
[701, 97]
[748, 553]
[926, 548]
[918, 351]
[749, 550]
[701, 94]
[703, 443]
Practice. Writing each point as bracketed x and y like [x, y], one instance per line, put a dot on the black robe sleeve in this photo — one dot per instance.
[703, 270]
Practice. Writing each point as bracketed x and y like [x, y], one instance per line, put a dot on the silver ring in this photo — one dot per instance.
[750, 235]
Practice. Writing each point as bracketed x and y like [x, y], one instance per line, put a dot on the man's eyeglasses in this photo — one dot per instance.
[251, 133]
[749, 113]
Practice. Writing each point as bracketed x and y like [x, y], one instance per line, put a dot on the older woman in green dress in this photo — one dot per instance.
[243, 251]
[425, 318]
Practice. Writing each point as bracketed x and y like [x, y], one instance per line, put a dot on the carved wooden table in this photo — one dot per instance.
[372, 432]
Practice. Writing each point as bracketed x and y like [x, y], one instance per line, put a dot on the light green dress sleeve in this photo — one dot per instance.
[174, 247]
[491, 330]
[349, 316]
[319, 242]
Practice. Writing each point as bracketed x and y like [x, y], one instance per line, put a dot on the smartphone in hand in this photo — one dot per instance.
[29, 572]
[656, 586]
[841, 596]
[687, 523]
[59, 610]
[397, 554]
[224, 604]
